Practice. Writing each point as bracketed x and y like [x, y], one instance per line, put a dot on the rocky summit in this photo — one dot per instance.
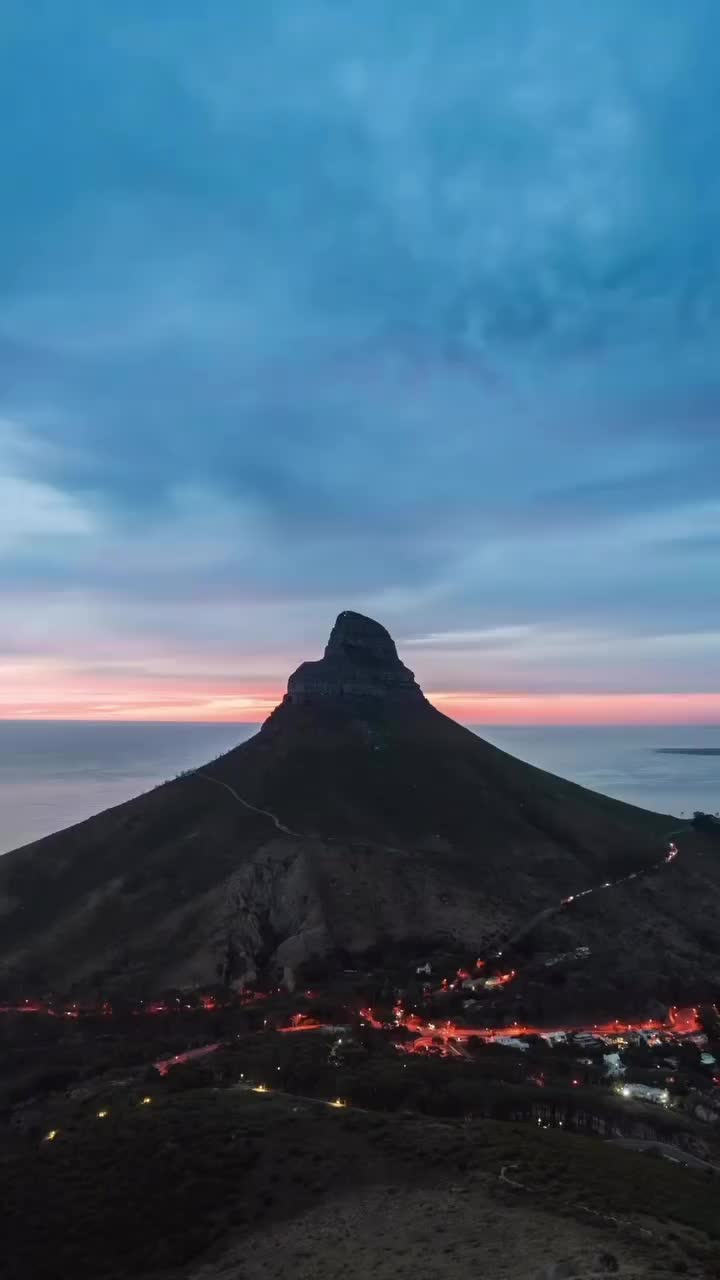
[360, 663]
[358, 817]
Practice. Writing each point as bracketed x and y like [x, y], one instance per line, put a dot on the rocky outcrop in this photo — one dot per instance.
[360, 662]
[270, 913]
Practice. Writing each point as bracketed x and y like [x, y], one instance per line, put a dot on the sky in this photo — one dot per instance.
[411, 309]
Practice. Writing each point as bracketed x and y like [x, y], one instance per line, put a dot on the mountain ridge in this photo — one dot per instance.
[358, 812]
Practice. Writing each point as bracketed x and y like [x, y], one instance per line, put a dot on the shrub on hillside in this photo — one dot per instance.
[189, 1075]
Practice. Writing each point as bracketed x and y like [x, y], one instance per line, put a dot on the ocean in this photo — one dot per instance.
[54, 773]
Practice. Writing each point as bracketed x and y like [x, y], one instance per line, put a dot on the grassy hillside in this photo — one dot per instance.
[151, 1186]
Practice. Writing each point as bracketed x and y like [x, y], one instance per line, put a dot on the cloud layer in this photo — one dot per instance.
[314, 307]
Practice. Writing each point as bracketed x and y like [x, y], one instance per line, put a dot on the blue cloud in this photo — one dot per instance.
[420, 308]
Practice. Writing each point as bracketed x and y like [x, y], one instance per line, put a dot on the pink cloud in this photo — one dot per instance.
[33, 690]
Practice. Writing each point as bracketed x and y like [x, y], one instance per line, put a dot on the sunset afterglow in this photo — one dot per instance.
[59, 695]
[423, 324]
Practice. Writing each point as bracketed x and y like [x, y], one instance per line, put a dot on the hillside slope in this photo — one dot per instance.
[383, 819]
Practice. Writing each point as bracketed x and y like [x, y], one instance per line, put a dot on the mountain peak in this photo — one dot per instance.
[359, 639]
[360, 662]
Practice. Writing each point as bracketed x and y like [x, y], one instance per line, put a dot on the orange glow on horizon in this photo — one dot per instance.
[34, 692]
[580, 708]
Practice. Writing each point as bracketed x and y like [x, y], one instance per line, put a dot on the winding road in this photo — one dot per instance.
[428, 1034]
[548, 912]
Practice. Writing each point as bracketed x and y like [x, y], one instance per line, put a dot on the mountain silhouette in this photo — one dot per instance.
[357, 815]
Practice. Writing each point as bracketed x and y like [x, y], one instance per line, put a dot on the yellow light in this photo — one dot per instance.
[144, 1101]
[338, 1102]
[101, 1115]
[260, 1088]
[49, 1137]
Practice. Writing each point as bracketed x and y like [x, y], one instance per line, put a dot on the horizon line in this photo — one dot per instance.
[475, 724]
[496, 708]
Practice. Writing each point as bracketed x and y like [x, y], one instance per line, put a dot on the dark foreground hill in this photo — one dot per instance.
[358, 815]
[227, 1185]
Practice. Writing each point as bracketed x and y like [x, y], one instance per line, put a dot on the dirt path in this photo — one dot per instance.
[286, 831]
[280, 826]
[547, 912]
